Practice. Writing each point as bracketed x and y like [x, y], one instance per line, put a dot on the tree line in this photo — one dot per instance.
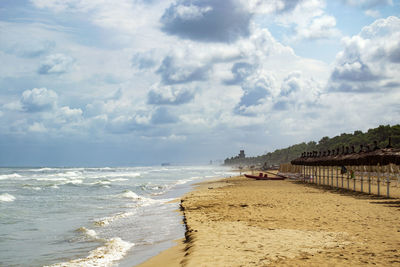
[380, 134]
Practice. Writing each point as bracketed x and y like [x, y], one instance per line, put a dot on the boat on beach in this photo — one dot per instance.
[262, 176]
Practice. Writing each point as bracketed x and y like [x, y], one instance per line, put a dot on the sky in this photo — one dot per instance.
[141, 82]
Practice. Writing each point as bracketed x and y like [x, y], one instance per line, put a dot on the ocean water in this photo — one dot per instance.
[92, 216]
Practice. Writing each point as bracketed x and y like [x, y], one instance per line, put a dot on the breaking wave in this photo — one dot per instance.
[107, 220]
[6, 197]
[8, 176]
[130, 194]
[114, 249]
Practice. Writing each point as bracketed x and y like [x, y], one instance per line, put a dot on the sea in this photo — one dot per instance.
[110, 216]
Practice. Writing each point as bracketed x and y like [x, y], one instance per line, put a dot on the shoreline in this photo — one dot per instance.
[237, 221]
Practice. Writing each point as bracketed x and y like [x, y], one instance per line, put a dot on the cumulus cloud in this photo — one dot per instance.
[37, 127]
[38, 99]
[322, 27]
[370, 60]
[354, 71]
[168, 95]
[56, 64]
[240, 71]
[256, 88]
[163, 115]
[207, 20]
[174, 70]
[298, 93]
[144, 60]
[308, 20]
[271, 6]
[66, 114]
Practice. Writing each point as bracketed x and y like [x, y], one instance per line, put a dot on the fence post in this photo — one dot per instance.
[337, 177]
[387, 181]
[315, 174]
[329, 177]
[354, 180]
[379, 180]
[362, 179]
[332, 176]
[348, 178]
[369, 179]
[319, 176]
[342, 179]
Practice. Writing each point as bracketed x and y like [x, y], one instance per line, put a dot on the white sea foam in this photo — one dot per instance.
[184, 181]
[69, 174]
[107, 220]
[6, 197]
[114, 249]
[75, 181]
[89, 232]
[130, 194]
[119, 180]
[8, 176]
[100, 183]
[142, 201]
[55, 179]
[42, 169]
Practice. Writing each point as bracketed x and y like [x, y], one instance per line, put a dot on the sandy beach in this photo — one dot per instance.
[243, 222]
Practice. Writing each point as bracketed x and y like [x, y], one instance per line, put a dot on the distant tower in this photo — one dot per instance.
[241, 154]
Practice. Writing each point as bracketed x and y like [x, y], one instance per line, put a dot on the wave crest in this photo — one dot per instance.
[113, 250]
[6, 197]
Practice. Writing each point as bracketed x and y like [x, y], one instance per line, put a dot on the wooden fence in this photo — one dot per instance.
[377, 180]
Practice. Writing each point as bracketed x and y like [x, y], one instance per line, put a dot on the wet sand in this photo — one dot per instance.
[243, 222]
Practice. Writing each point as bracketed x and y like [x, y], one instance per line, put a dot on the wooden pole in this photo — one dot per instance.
[337, 176]
[369, 179]
[342, 180]
[379, 181]
[387, 181]
[362, 179]
[319, 175]
[354, 180]
[348, 178]
[315, 175]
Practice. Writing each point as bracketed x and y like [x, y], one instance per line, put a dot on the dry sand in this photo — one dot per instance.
[243, 222]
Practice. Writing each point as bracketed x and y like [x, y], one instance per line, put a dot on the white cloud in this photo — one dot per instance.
[322, 27]
[207, 21]
[370, 60]
[67, 115]
[271, 6]
[38, 99]
[310, 21]
[127, 16]
[191, 12]
[169, 95]
[372, 13]
[37, 127]
[56, 64]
